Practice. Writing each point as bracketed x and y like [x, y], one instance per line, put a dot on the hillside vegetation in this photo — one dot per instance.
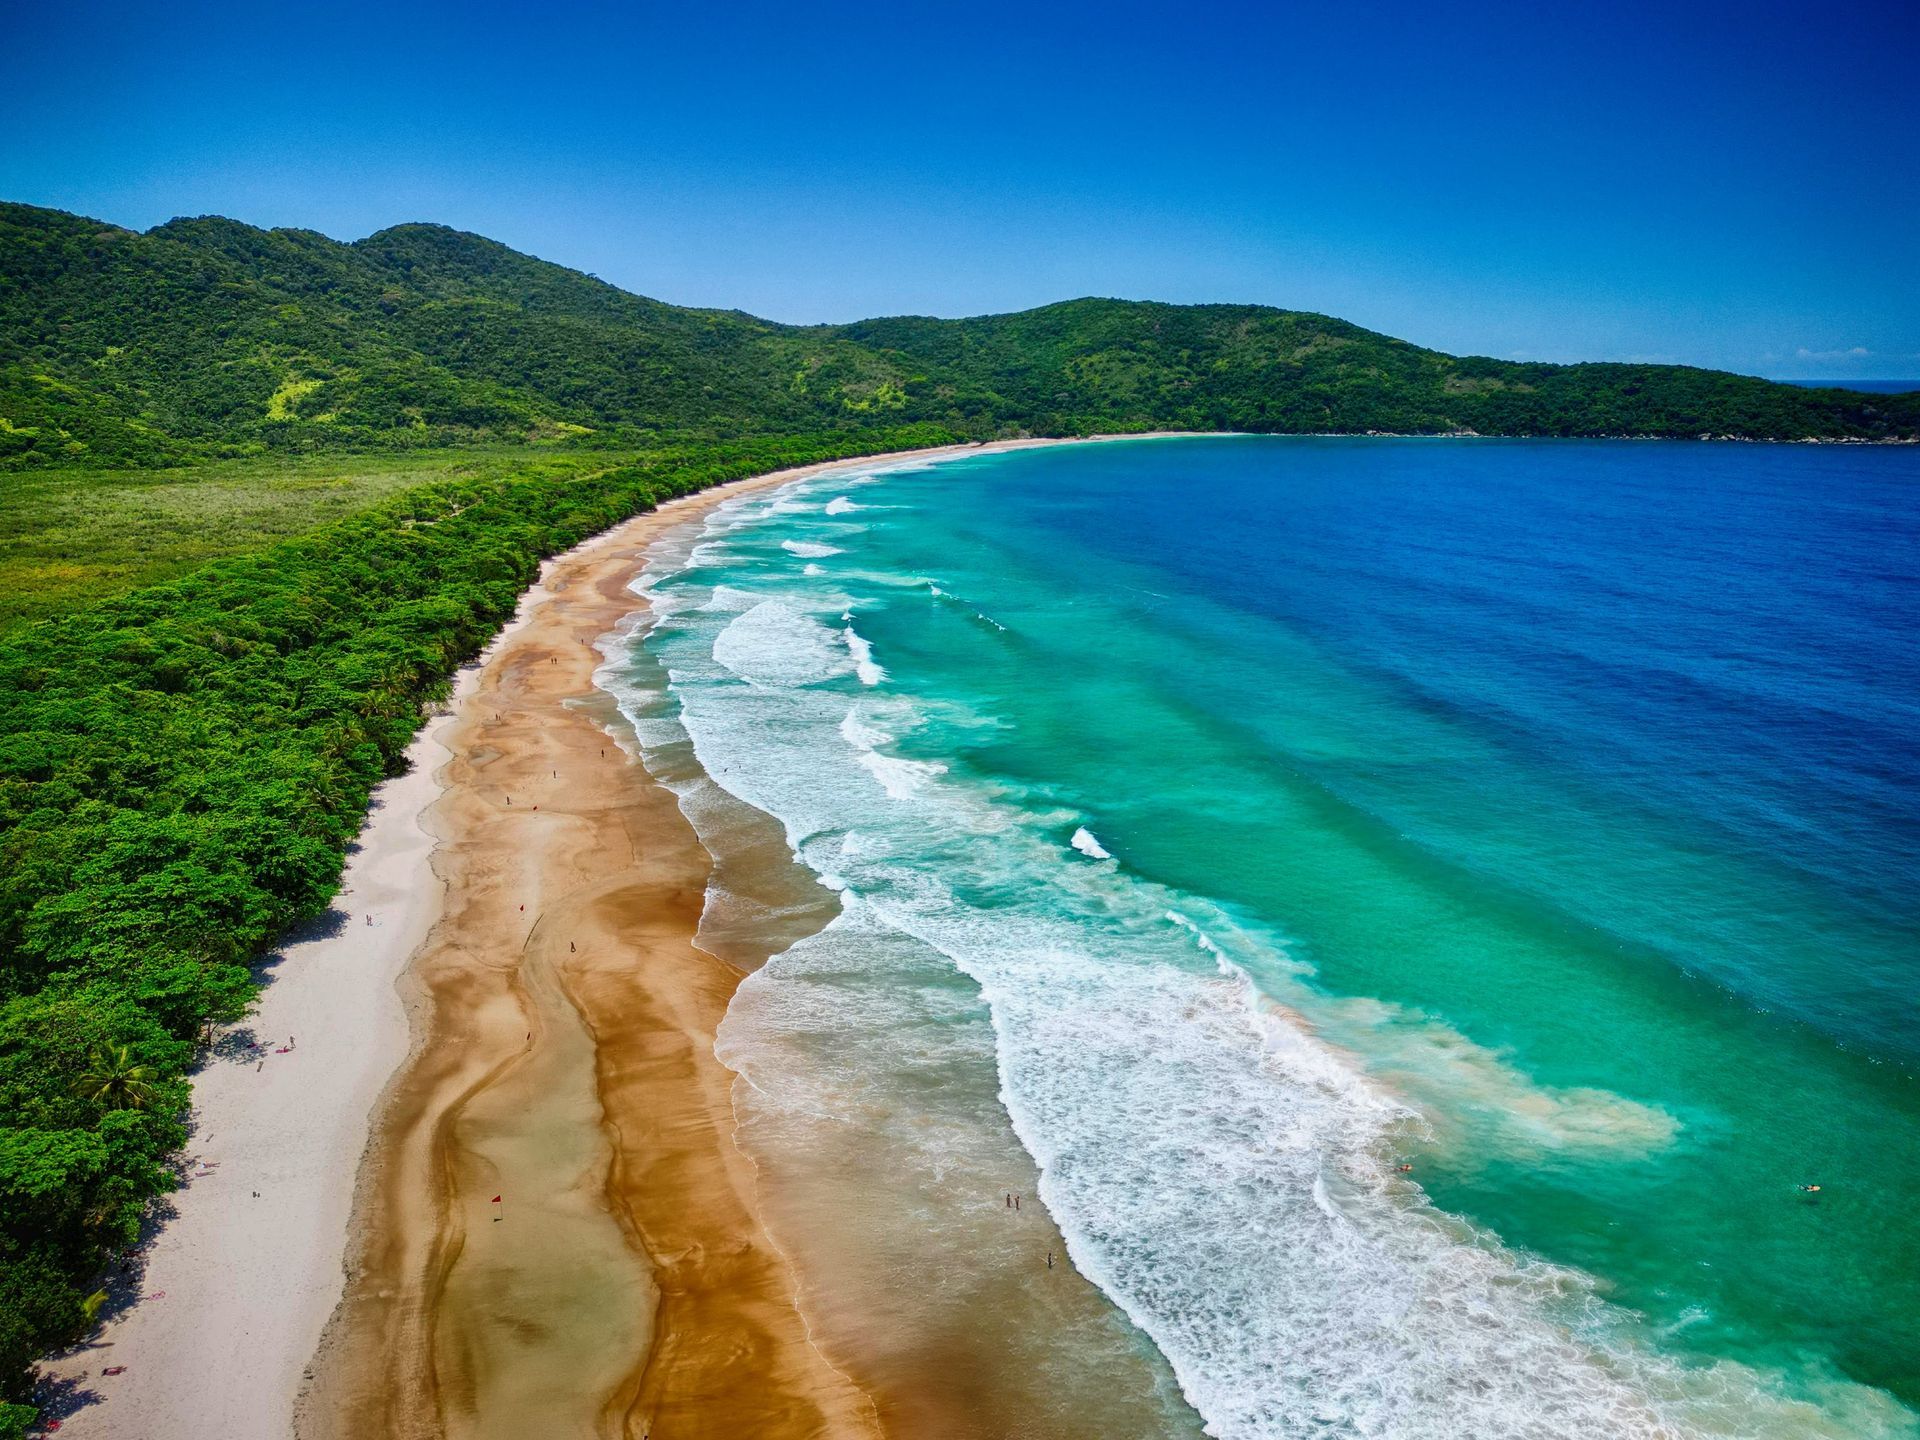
[207, 338]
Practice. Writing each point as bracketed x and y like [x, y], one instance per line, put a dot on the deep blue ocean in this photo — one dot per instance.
[1427, 907]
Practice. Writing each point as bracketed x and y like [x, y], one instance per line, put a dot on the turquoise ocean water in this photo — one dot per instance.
[1426, 907]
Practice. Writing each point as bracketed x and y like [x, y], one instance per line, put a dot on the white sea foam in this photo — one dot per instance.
[900, 778]
[1084, 842]
[840, 505]
[861, 735]
[1200, 937]
[812, 570]
[773, 644]
[724, 599]
[810, 549]
[1223, 1175]
[862, 652]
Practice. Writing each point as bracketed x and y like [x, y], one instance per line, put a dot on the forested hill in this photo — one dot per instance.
[206, 337]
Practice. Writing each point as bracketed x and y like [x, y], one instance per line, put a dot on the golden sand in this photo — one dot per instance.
[623, 1284]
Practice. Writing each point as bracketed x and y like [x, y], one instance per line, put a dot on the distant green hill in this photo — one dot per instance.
[206, 338]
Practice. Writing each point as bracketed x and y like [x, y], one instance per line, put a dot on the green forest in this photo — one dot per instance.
[208, 339]
[262, 493]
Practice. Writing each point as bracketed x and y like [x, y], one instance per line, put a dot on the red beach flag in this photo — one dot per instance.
[496, 1199]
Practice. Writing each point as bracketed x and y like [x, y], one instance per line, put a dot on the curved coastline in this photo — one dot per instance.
[556, 1072]
[763, 658]
[563, 1223]
[563, 1060]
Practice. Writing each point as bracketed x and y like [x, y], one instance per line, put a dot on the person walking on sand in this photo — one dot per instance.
[1049, 1259]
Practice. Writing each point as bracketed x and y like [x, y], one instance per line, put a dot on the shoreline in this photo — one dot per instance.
[563, 1062]
[554, 1230]
[234, 1298]
[681, 1286]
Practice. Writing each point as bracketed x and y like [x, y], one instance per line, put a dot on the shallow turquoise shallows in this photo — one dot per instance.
[1439, 904]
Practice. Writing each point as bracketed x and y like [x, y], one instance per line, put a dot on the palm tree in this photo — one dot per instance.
[113, 1082]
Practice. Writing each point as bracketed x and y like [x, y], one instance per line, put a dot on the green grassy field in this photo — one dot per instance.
[72, 537]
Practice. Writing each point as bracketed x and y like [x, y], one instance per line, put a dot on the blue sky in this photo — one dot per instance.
[1719, 184]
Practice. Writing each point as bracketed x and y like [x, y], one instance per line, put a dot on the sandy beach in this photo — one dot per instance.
[565, 1065]
[525, 1017]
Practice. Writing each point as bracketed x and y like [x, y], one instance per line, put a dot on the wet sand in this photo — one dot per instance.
[623, 1284]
